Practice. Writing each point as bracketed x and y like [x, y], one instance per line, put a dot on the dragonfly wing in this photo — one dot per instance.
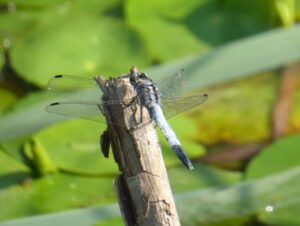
[75, 88]
[174, 106]
[78, 109]
[172, 86]
[83, 95]
[85, 110]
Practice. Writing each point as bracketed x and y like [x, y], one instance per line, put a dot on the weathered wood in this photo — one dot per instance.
[144, 193]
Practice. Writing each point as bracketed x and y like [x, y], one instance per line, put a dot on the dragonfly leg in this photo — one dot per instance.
[105, 143]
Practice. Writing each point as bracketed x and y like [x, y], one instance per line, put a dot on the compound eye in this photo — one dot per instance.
[132, 79]
[143, 75]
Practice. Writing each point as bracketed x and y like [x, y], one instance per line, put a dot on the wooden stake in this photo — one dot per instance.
[143, 189]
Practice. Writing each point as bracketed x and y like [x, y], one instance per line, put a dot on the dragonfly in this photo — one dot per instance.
[162, 99]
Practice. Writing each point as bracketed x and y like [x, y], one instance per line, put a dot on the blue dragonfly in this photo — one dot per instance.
[162, 99]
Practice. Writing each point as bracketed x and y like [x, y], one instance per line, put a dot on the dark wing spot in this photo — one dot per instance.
[58, 76]
[53, 104]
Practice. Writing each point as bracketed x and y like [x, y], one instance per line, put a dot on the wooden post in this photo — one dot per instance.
[143, 189]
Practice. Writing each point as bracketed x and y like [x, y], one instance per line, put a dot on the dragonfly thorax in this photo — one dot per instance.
[147, 92]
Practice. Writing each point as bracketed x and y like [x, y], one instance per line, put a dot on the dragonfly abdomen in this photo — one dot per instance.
[149, 97]
[157, 115]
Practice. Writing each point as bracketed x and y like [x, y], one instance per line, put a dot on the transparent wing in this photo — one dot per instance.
[85, 110]
[172, 86]
[83, 95]
[75, 88]
[174, 106]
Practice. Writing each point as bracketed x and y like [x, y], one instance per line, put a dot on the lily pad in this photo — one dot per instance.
[12, 172]
[201, 177]
[297, 9]
[214, 206]
[97, 7]
[27, 116]
[266, 197]
[159, 23]
[19, 17]
[217, 22]
[74, 147]
[80, 45]
[53, 193]
[280, 156]
[111, 222]
[83, 216]
[9, 165]
[200, 24]
[14, 24]
[38, 157]
[81, 191]
[230, 114]
[7, 99]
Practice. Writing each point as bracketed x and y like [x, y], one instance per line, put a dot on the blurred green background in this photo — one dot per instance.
[244, 140]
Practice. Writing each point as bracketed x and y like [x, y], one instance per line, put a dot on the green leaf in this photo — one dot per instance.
[20, 17]
[236, 60]
[28, 116]
[229, 205]
[110, 222]
[81, 45]
[221, 65]
[14, 24]
[297, 9]
[199, 24]
[74, 147]
[53, 193]
[35, 151]
[8, 165]
[159, 24]
[265, 197]
[230, 113]
[279, 156]
[96, 7]
[12, 172]
[78, 191]
[14, 148]
[201, 177]
[30, 4]
[80, 217]
[7, 99]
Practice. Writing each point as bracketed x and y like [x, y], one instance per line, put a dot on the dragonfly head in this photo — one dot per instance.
[137, 78]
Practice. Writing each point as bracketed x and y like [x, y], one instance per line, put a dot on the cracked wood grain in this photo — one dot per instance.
[143, 189]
